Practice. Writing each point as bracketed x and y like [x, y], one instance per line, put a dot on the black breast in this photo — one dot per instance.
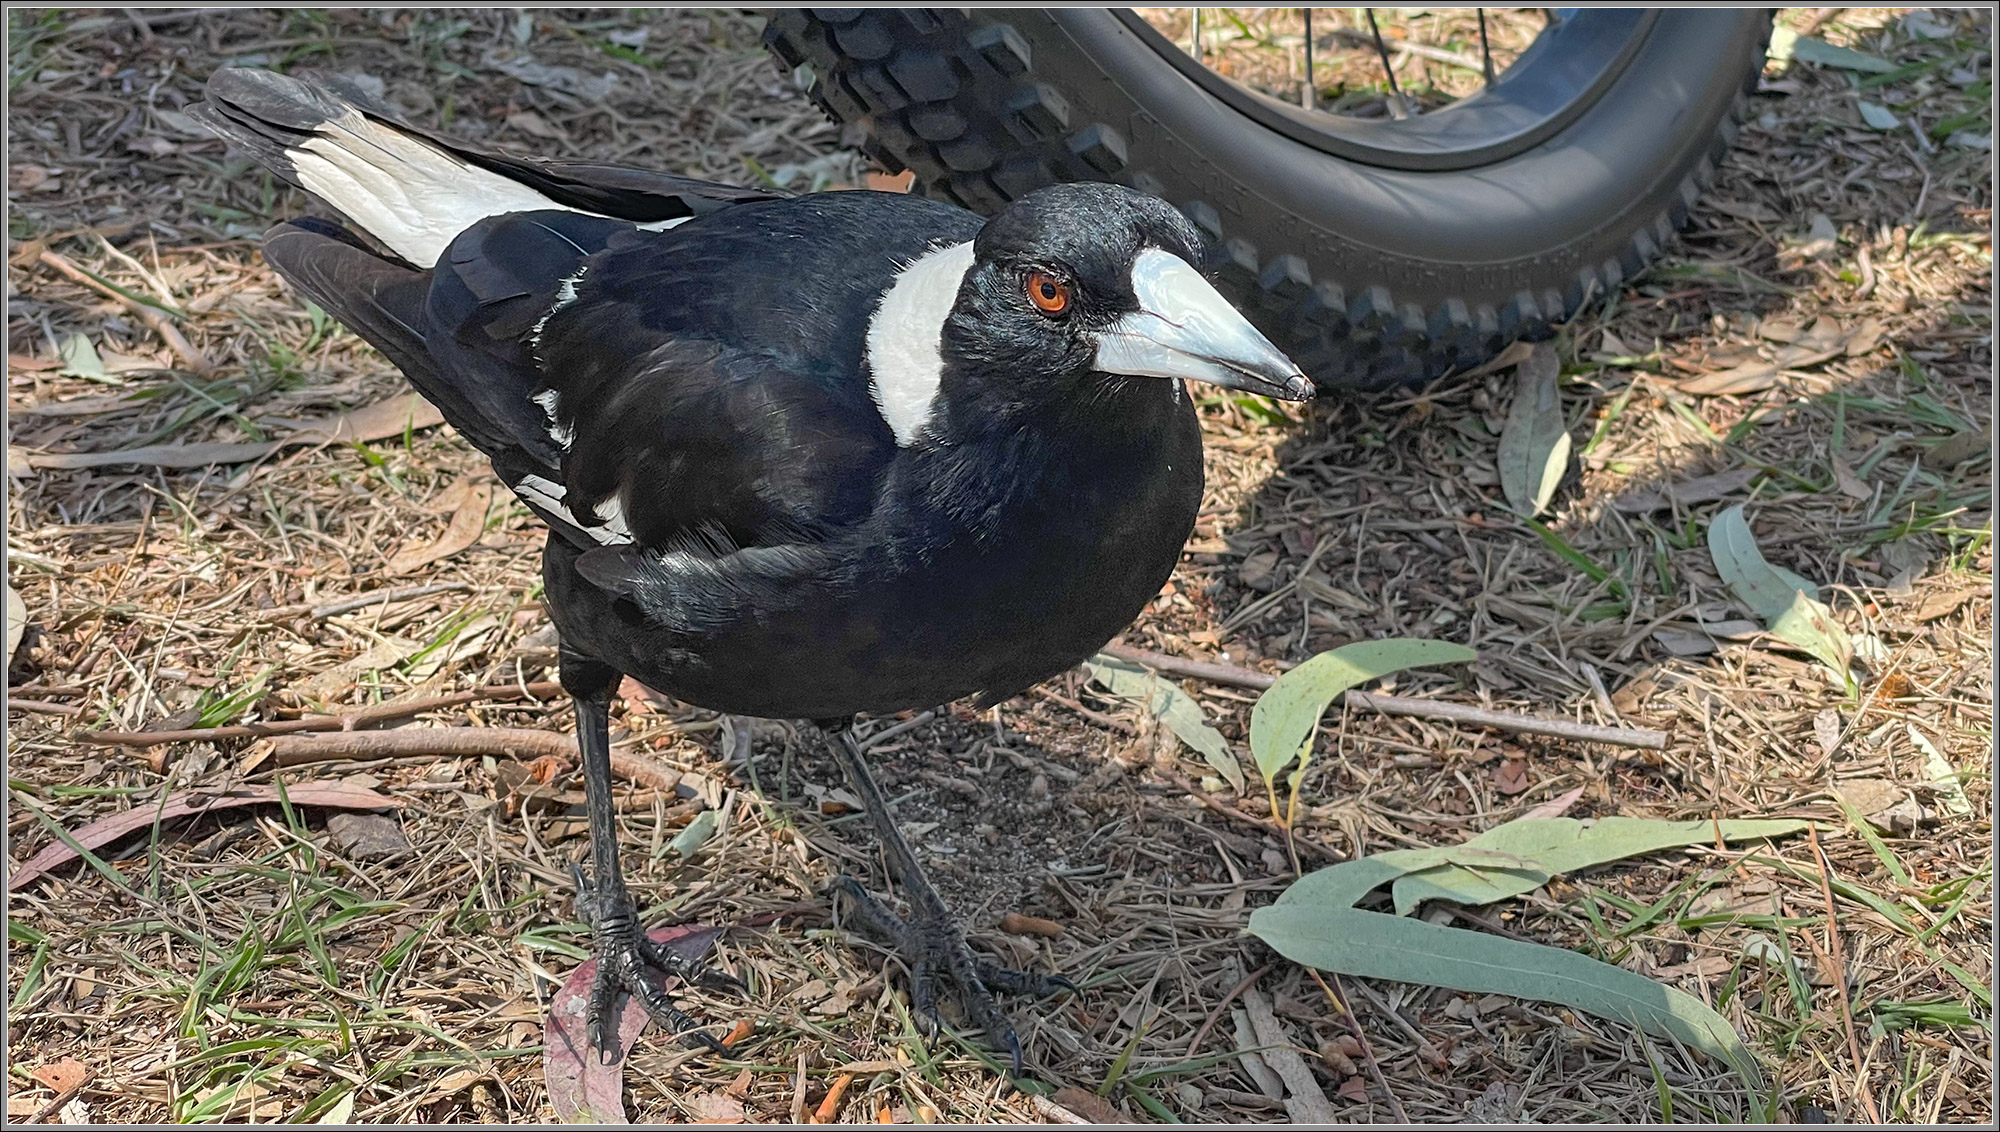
[985, 568]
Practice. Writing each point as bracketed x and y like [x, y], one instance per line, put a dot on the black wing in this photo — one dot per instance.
[710, 379]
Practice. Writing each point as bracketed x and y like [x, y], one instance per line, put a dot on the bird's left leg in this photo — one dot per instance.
[626, 958]
[931, 942]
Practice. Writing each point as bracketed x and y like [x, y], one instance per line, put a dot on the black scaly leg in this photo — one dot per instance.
[931, 942]
[626, 958]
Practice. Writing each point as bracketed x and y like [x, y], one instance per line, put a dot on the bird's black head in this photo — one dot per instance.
[1080, 285]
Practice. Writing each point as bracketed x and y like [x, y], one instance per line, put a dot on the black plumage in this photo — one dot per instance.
[800, 457]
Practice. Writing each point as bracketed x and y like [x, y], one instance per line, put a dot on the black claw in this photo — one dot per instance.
[933, 947]
[627, 960]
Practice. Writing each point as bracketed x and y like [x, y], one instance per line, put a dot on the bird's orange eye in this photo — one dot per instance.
[1050, 295]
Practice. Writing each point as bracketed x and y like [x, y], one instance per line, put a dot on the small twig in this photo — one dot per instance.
[514, 742]
[1339, 996]
[1509, 721]
[1215, 1015]
[1229, 674]
[907, 725]
[43, 706]
[1406, 705]
[324, 610]
[1097, 717]
[149, 315]
[1838, 960]
[54, 1106]
[524, 743]
[1234, 814]
[1053, 1112]
[161, 19]
[350, 721]
[1356, 38]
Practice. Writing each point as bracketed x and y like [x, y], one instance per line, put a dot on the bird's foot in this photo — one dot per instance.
[934, 947]
[629, 962]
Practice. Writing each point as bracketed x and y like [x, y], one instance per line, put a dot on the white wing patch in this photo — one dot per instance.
[905, 334]
[548, 495]
[410, 194]
[565, 295]
[558, 432]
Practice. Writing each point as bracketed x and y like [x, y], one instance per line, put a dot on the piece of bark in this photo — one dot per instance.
[1304, 1100]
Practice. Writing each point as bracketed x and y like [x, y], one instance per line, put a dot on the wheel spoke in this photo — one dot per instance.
[1485, 49]
[1309, 96]
[1398, 107]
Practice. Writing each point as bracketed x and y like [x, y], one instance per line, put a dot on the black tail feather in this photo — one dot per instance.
[383, 302]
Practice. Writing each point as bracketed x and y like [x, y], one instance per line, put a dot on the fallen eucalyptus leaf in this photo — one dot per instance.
[1943, 776]
[695, 834]
[1534, 446]
[468, 522]
[1701, 489]
[79, 359]
[17, 622]
[1285, 716]
[1380, 946]
[1787, 603]
[370, 422]
[1550, 847]
[181, 803]
[1176, 709]
[1878, 117]
[1789, 46]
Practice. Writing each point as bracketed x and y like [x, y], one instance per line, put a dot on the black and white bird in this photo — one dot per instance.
[800, 457]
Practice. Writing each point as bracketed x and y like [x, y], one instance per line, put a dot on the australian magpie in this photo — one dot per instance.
[799, 457]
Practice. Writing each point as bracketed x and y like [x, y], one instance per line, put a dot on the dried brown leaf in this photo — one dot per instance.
[107, 829]
[467, 524]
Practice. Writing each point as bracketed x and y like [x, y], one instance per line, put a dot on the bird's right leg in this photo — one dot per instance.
[627, 960]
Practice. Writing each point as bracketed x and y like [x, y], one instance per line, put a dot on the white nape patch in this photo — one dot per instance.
[410, 194]
[548, 495]
[905, 362]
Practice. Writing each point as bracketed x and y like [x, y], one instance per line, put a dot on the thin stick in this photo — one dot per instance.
[1234, 814]
[54, 1106]
[43, 706]
[350, 604]
[514, 742]
[149, 315]
[1838, 960]
[1339, 996]
[1052, 1112]
[1509, 721]
[379, 713]
[522, 743]
[1215, 1015]
[1234, 676]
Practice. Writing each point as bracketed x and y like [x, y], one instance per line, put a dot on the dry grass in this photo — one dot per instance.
[246, 965]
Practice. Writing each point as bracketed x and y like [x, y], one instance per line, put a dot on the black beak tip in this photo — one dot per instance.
[1298, 388]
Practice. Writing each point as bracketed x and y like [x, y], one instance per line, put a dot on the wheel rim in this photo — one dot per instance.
[1568, 67]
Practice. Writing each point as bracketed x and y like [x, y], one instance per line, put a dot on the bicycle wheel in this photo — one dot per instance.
[1377, 252]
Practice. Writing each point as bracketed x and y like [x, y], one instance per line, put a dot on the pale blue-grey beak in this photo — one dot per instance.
[1184, 328]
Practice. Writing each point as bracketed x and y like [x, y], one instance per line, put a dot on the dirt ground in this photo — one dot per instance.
[295, 962]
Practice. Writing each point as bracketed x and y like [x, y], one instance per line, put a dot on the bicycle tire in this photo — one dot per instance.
[1370, 276]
